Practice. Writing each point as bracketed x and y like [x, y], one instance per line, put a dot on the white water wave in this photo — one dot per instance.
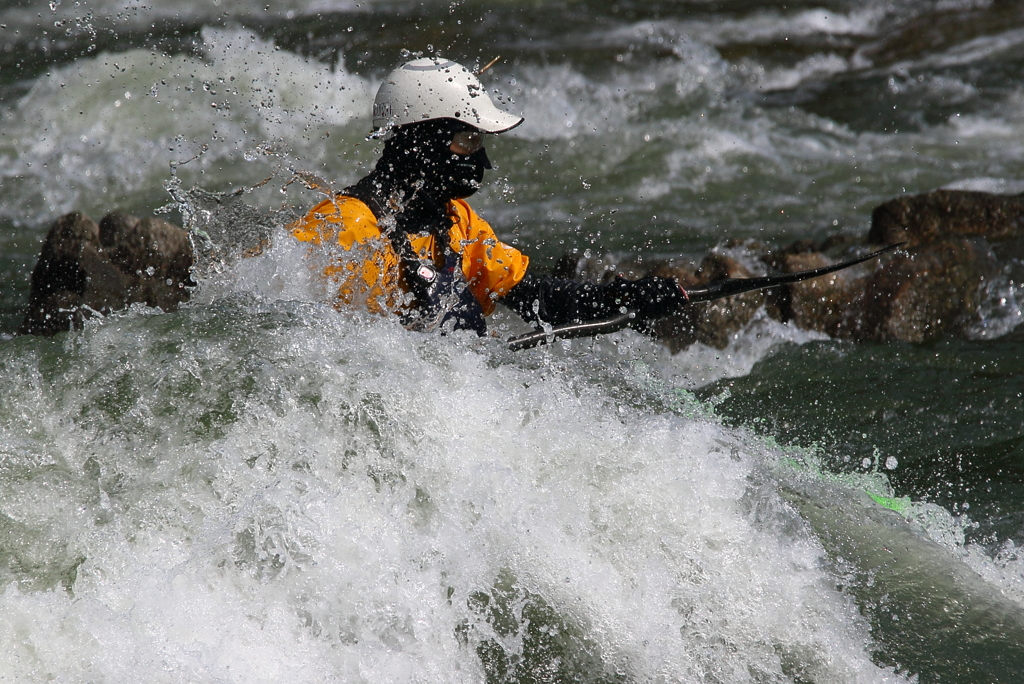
[560, 102]
[815, 67]
[70, 17]
[291, 493]
[91, 132]
[770, 25]
[974, 51]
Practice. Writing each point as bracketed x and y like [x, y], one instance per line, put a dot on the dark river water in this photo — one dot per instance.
[257, 488]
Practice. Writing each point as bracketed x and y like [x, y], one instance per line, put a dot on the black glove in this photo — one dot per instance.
[651, 298]
[557, 301]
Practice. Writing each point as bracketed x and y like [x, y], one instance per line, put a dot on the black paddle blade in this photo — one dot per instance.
[717, 290]
[735, 286]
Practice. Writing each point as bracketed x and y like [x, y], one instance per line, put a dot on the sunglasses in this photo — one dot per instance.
[467, 142]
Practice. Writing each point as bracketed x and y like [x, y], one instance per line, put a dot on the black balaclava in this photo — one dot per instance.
[419, 171]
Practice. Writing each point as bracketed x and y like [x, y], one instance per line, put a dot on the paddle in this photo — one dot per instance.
[717, 290]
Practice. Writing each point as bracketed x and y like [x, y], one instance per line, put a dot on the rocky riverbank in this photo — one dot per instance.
[955, 244]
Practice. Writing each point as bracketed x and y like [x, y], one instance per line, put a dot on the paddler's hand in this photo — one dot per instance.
[651, 298]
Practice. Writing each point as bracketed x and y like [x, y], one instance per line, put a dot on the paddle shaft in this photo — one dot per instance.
[717, 290]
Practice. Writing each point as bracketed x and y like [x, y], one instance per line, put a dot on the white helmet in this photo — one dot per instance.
[431, 88]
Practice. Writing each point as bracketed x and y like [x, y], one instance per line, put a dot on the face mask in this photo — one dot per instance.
[448, 158]
[463, 174]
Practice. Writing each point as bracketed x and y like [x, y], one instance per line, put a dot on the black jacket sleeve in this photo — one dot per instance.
[557, 301]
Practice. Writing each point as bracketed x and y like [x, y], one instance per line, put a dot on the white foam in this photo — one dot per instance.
[559, 102]
[89, 16]
[811, 68]
[770, 25]
[1005, 569]
[282, 272]
[999, 186]
[976, 50]
[91, 132]
[284, 492]
[699, 364]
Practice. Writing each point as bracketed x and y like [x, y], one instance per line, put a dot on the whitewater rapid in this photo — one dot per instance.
[254, 489]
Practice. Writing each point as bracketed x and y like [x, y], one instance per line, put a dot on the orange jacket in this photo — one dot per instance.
[362, 264]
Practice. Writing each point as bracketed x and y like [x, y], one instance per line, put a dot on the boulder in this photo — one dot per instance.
[925, 218]
[930, 287]
[710, 323]
[155, 254]
[86, 268]
[830, 304]
[926, 291]
[913, 295]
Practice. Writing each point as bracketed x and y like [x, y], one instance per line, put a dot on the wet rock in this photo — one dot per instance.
[926, 291]
[710, 323]
[86, 268]
[930, 287]
[831, 304]
[155, 254]
[920, 219]
[914, 295]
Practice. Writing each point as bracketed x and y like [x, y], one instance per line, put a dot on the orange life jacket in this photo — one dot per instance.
[361, 263]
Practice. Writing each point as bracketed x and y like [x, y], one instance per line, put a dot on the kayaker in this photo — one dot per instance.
[403, 240]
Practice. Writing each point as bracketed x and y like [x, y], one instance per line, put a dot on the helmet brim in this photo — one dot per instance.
[494, 122]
